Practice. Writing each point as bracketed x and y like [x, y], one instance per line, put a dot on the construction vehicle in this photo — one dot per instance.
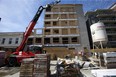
[16, 57]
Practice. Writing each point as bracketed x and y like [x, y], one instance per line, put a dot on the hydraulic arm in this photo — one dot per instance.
[33, 23]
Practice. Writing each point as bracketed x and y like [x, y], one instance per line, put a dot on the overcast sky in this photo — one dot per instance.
[16, 14]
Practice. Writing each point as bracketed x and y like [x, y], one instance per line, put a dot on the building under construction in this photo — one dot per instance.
[64, 26]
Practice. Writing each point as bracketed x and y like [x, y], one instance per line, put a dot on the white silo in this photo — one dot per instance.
[98, 33]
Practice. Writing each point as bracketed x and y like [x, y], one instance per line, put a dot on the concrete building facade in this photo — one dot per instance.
[64, 25]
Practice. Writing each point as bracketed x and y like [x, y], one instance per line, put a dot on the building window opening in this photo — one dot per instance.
[16, 41]
[64, 23]
[46, 40]
[74, 39]
[47, 23]
[71, 48]
[38, 40]
[10, 40]
[55, 40]
[47, 31]
[55, 23]
[30, 41]
[56, 31]
[55, 16]
[3, 40]
[47, 16]
[65, 40]
[48, 9]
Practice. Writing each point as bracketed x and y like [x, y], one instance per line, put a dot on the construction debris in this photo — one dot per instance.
[67, 68]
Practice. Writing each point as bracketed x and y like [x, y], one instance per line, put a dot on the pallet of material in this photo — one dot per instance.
[41, 65]
[26, 69]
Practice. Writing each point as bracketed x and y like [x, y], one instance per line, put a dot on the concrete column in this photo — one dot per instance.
[43, 35]
[60, 39]
[51, 31]
[51, 40]
[35, 31]
[68, 30]
[69, 39]
[34, 38]
[60, 31]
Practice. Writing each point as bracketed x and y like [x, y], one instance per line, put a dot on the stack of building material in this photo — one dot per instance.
[41, 65]
[26, 69]
[110, 59]
[70, 72]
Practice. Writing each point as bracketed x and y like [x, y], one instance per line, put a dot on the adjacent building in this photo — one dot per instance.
[10, 39]
[64, 26]
[113, 7]
[108, 17]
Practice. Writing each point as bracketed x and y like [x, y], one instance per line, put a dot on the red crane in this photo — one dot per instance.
[16, 57]
[32, 24]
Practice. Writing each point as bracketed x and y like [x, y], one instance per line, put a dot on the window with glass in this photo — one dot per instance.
[10, 40]
[16, 40]
[3, 41]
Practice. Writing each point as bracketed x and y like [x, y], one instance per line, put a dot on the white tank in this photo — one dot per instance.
[98, 32]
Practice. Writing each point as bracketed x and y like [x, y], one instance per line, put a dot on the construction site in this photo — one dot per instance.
[62, 48]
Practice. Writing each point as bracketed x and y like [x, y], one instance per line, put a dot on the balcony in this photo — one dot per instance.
[106, 15]
[107, 19]
[59, 35]
[64, 45]
[60, 13]
[59, 27]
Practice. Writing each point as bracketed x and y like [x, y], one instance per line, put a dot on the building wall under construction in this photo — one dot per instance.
[64, 25]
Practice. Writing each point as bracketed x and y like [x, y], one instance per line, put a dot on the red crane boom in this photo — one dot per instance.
[32, 24]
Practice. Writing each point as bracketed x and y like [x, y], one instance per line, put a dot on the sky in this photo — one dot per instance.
[16, 14]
